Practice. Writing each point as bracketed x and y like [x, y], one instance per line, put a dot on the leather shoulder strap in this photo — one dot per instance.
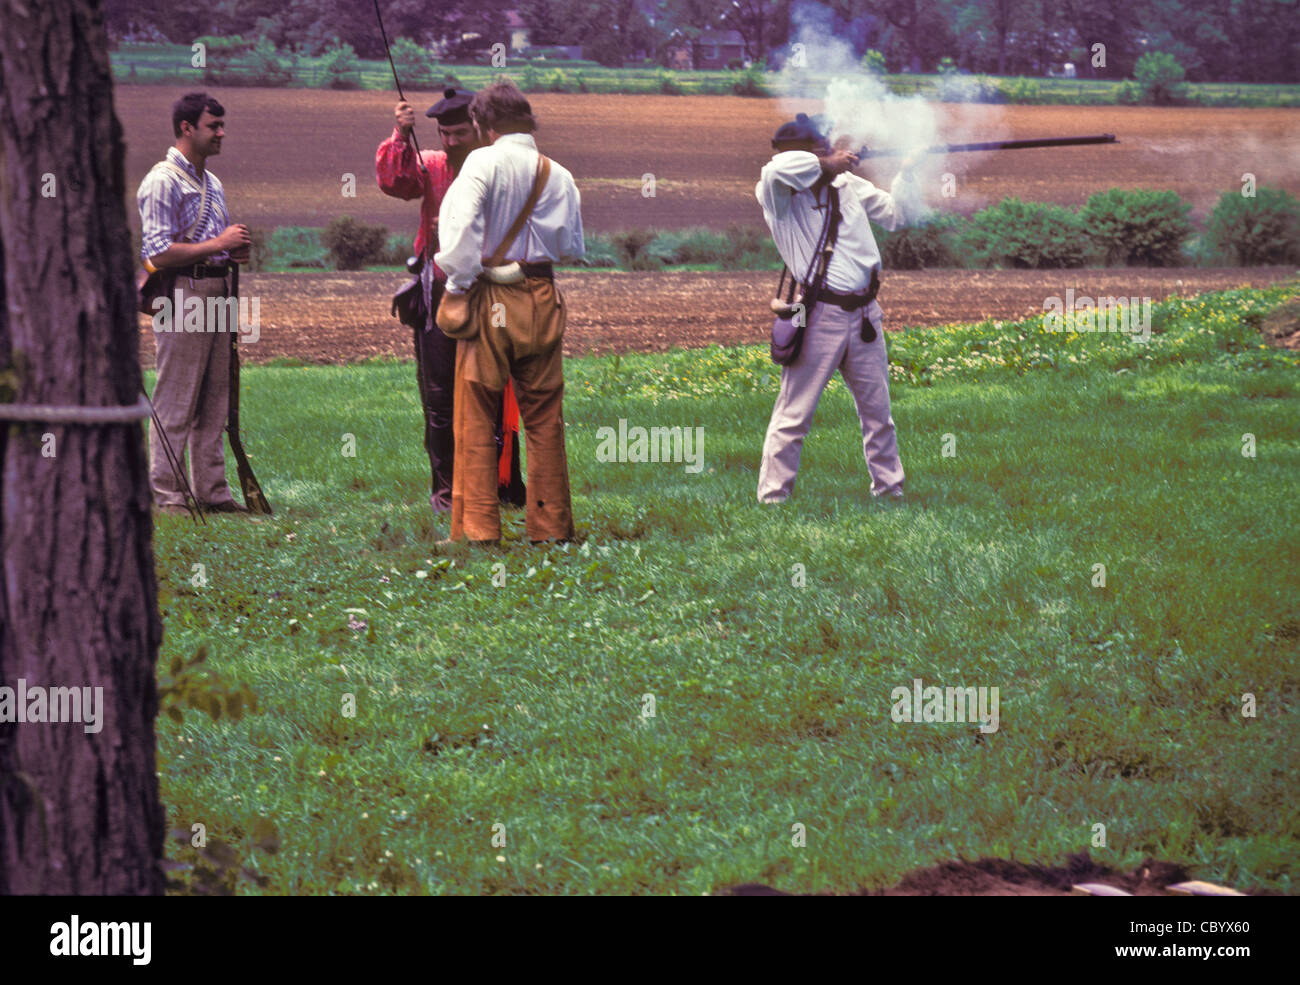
[539, 182]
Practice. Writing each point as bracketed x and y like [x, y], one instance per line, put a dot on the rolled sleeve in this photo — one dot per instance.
[461, 226]
[395, 168]
[158, 229]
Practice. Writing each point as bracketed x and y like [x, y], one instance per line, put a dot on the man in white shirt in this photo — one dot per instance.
[844, 327]
[515, 330]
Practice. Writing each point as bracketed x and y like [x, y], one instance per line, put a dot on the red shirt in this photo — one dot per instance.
[397, 174]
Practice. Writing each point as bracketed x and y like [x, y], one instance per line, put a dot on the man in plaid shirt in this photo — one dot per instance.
[398, 175]
[186, 232]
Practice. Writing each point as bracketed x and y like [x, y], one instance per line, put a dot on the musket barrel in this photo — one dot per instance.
[1101, 138]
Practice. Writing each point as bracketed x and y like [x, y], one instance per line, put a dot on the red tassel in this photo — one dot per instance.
[509, 426]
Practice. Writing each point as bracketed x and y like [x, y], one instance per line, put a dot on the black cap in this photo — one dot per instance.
[453, 107]
[802, 127]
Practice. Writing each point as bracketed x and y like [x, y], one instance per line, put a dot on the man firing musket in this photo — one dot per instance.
[820, 217]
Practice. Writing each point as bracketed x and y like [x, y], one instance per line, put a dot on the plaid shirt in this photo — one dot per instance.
[169, 203]
[398, 176]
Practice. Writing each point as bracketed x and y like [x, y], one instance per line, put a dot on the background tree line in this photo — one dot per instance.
[1215, 40]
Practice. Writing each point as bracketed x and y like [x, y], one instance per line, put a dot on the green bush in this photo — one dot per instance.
[1139, 226]
[1254, 231]
[397, 248]
[750, 82]
[633, 249]
[691, 246]
[1128, 93]
[341, 68]
[297, 246]
[354, 244]
[265, 68]
[932, 243]
[556, 81]
[600, 251]
[666, 83]
[218, 53]
[1160, 78]
[1027, 235]
[1022, 91]
[259, 254]
[415, 66]
[873, 63]
[954, 87]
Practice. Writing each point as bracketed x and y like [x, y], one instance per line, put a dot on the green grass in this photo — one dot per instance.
[171, 65]
[522, 705]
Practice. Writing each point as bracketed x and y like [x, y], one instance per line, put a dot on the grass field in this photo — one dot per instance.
[768, 640]
[171, 64]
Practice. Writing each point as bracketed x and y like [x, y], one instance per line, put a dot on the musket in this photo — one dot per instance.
[419, 160]
[1101, 138]
[254, 498]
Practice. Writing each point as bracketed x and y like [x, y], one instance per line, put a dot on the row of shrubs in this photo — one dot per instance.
[348, 244]
[1158, 80]
[1119, 227]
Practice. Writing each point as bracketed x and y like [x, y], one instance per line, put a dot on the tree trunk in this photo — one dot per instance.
[79, 811]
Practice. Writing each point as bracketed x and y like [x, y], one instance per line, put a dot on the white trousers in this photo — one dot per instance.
[833, 341]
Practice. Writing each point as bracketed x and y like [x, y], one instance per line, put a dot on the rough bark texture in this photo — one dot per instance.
[79, 813]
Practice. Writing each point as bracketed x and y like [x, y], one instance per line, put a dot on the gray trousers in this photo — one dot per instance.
[833, 341]
[192, 397]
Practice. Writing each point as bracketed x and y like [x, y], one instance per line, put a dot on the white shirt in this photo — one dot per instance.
[796, 223]
[484, 200]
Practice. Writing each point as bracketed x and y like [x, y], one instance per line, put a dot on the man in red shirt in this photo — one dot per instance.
[400, 176]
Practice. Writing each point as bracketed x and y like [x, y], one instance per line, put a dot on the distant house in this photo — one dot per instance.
[677, 53]
[518, 31]
[714, 49]
[717, 49]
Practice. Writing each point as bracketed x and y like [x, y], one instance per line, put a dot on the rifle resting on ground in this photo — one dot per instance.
[254, 498]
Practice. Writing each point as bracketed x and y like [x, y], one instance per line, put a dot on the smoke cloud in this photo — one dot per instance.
[862, 111]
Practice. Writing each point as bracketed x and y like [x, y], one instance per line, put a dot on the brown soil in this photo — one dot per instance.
[339, 318]
[289, 150]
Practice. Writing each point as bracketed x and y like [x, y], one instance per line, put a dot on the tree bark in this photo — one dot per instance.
[79, 812]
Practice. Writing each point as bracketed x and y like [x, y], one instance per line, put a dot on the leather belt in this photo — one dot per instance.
[849, 302]
[202, 271]
[852, 302]
[542, 268]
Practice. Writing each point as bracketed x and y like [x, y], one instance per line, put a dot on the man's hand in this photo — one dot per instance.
[233, 239]
[405, 118]
[838, 161]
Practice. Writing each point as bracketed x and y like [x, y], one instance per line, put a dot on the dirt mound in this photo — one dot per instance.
[1282, 326]
[1002, 877]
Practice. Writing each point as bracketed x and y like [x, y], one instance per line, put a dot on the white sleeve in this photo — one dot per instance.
[788, 172]
[890, 209]
[461, 227]
[569, 237]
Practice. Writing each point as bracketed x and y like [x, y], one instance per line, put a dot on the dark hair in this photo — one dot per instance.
[503, 108]
[190, 107]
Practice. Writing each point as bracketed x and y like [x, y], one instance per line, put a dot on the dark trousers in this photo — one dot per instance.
[435, 373]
